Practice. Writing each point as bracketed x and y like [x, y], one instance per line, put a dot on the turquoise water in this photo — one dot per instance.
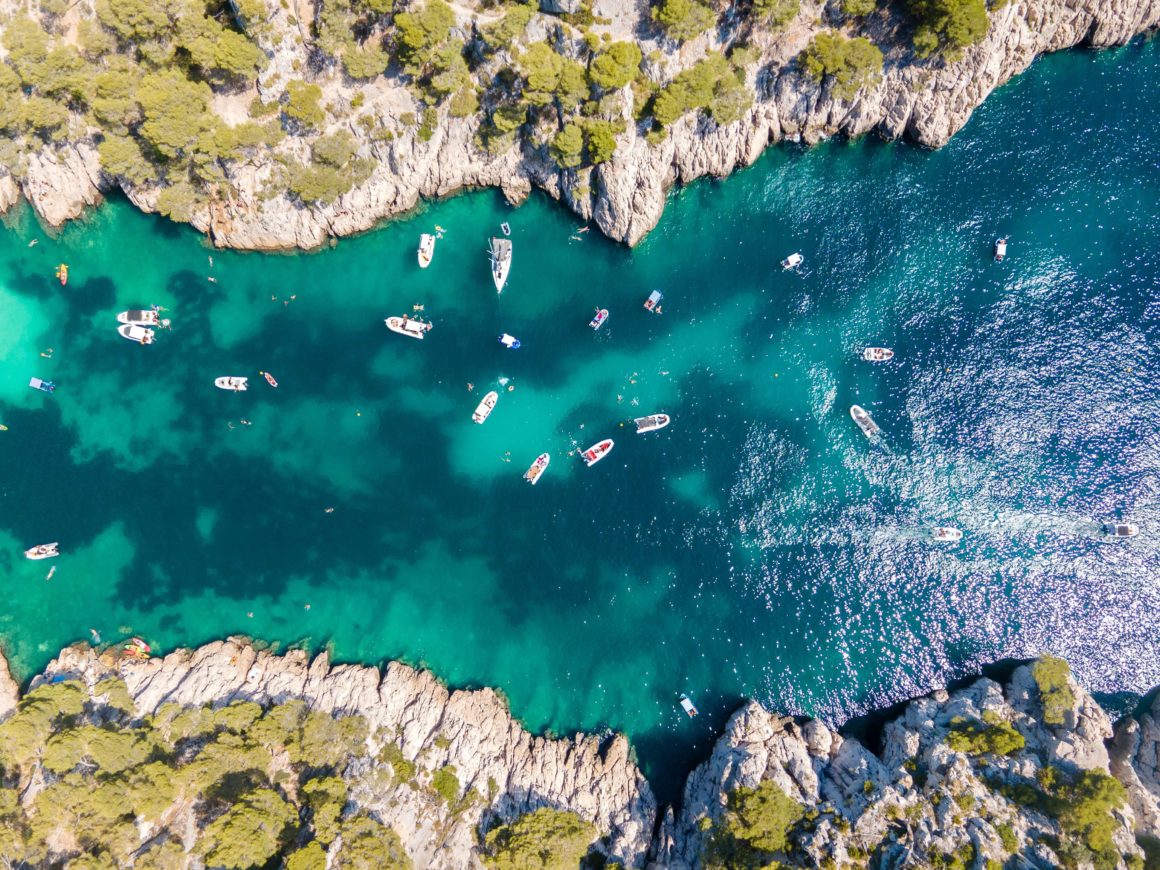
[759, 546]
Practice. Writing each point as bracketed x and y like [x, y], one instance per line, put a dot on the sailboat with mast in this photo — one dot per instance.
[501, 261]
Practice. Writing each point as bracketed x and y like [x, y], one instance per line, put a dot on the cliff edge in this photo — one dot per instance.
[309, 133]
[1030, 774]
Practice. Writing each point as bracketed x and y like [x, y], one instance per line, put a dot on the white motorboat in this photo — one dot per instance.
[509, 341]
[877, 354]
[426, 250]
[1000, 249]
[865, 421]
[485, 407]
[687, 705]
[139, 334]
[140, 318]
[238, 385]
[506, 228]
[651, 423]
[1121, 530]
[408, 326]
[946, 533]
[792, 261]
[501, 261]
[598, 319]
[653, 303]
[43, 551]
[537, 468]
[597, 452]
[43, 386]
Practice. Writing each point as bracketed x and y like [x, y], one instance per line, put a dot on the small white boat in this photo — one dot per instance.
[597, 452]
[1121, 530]
[509, 341]
[140, 318]
[42, 551]
[505, 227]
[865, 421]
[43, 386]
[408, 326]
[598, 319]
[687, 706]
[501, 261]
[1000, 249]
[651, 423]
[485, 407]
[133, 332]
[653, 303]
[537, 468]
[946, 533]
[426, 250]
[877, 354]
[238, 385]
[792, 261]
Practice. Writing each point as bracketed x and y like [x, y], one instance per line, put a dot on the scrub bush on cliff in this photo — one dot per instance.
[683, 19]
[547, 838]
[947, 25]
[851, 64]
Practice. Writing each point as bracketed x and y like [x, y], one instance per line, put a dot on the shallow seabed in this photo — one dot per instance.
[759, 546]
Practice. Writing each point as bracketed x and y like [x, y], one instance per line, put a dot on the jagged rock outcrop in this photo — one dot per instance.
[471, 730]
[927, 101]
[916, 802]
[1135, 761]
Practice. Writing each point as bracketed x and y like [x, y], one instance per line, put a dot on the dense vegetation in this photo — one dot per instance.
[243, 783]
[755, 829]
[1055, 692]
[993, 736]
[545, 839]
[197, 99]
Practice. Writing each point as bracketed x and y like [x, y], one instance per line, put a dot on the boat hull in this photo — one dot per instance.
[537, 468]
[651, 423]
[501, 262]
[597, 452]
[42, 551]
[408, 327]
[485, 407]
[598, 321]
[865, 421]
[139, 318]
[133, 332]
[426, 250]
[233, 384]
[877, 354]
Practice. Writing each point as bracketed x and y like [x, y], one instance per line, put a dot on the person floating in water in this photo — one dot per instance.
[47, 354]
[96, 635]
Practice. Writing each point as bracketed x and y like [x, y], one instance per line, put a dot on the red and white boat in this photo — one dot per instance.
[537, 468]
[269, 379]
[597, 452]
[598, 321]
[485, 407]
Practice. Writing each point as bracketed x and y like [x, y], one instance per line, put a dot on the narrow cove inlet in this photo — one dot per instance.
[347, 488]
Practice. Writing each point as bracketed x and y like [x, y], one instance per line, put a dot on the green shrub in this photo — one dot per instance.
[509, 28]
[994, 736]
[852, 64]
[859, 8]
[616, 66]
[250, 833]
[947, 25]
[309, 857]
[326, 797]
[601, 141]
[303, 103]
[711, 84]
[392, 754]
[568, 146]
[755, 828]
[776, 13]
[419, 34]
[464, 103]
[1055, 693]
[445, 783]
[683, 19]
[1008, 838]
[541, 68]
[334, 150]
[546, 839]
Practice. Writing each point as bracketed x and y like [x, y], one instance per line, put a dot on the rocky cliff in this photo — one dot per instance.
[972, 778]
[926, 101]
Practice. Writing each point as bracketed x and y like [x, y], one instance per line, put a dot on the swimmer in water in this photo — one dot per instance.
[96, 635]
[330, 510]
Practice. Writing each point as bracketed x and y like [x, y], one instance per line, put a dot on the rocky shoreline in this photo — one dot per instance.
[915, 801]
[926, 101]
